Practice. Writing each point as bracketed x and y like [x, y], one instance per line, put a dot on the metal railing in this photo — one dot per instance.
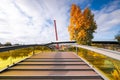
[10, 50]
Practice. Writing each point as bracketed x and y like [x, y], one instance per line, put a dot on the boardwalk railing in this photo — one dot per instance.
[7, 48]
[109, 53]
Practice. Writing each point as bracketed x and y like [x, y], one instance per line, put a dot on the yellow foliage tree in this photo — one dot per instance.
[82, 25]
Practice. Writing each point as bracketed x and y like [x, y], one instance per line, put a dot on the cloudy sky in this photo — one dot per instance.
[31, 21]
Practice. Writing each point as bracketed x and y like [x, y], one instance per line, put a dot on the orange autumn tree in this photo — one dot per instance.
[82, 25]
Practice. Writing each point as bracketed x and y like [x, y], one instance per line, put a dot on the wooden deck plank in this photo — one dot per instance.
[32, 63]
[55, 55]
[53, 79]
[51, 67]
[50, 73]
[53, 60]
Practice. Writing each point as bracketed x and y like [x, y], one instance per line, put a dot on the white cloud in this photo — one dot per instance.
[108, 21]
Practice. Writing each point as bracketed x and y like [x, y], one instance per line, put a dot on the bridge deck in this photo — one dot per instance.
[51, 66]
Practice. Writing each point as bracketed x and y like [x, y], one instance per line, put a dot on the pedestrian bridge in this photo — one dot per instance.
[54, 65]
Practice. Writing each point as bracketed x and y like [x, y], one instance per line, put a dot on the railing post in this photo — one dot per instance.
[10, 58]
[33, 50]
[76, 50]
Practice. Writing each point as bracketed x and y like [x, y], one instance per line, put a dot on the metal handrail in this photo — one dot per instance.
[112, 54]
[7, 48]
[109, 53]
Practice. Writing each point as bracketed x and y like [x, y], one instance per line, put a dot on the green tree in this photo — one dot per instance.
[8, 44]
[82, 25]
[118, 37]
[1, 44]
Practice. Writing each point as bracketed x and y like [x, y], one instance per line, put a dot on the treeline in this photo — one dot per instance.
[7, 44]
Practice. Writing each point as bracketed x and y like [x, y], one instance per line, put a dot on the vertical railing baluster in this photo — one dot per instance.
[10, 58]
[33, 50]
[76, 50]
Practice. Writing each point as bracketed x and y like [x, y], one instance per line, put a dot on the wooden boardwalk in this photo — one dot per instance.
[51, 66]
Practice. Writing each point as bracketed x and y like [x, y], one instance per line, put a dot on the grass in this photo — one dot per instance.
[8, 58]
[116, 72]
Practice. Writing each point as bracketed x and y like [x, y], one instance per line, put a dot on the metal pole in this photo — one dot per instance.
[76, 50]
[33, 50]
[56, 33]
[10, 58]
